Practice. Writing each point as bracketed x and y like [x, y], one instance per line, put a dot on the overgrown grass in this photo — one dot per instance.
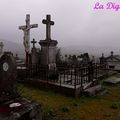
[57, 106]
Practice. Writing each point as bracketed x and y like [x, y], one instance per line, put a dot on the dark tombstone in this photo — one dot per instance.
[12, 105]
[8, 76]
[34, 55]
[90, 72]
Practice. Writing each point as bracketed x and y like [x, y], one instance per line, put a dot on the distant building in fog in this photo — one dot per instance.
[112, 61]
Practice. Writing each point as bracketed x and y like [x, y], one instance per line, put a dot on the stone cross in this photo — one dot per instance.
[26, 29]
[48, 23]
[33, 42]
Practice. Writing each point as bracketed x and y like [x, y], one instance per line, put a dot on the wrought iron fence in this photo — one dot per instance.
[68, 76]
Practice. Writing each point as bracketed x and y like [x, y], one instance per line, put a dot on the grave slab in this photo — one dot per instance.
[112, 81]
[93, 91]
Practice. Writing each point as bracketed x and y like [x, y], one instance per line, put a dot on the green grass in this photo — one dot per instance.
[56, 106]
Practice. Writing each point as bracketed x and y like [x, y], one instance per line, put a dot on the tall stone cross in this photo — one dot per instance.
[26, 30]
[33, 42]
[48, 23]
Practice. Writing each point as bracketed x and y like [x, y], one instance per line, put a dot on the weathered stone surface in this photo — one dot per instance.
[34, 54]
[8, 76]
[26, 38]
[48, 54]
[92, 91]
[48, 23]
[112, 80]
[26, 31]
[12, 105]
[48, 46]
[20, 109]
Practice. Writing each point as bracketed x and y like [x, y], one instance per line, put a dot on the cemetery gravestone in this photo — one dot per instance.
[35, 56]
[48, 46]
[7, 77]
[12, 105]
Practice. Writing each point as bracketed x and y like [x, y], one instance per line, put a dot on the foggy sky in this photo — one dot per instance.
[76, 22]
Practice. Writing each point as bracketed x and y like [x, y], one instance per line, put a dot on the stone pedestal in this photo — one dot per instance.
[34, 56]
[48, 53]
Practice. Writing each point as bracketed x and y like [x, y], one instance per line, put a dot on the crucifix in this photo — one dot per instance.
[26, 39]
[48, 23]
[33, 42]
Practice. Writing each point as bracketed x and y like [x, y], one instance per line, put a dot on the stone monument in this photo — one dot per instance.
[8, 76]
[48, 46]
[34, 55]
[12, 105]
[26, 30]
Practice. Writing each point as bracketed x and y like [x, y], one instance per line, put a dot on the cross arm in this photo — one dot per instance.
[22, 27]
[34, 26]
[51, 23]
[47, 22]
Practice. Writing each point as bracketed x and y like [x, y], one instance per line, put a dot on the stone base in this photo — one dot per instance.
[112, 80]
[93, 91]
[48, 52]
[48, 42]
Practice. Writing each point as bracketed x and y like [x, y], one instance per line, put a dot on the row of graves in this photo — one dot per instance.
[44, 72]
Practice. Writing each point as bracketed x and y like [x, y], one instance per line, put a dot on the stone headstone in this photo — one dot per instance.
[35, 56]
[8, 74]
[48, 46]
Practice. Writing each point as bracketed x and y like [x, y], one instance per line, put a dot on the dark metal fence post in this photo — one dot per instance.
[75, 83]
[81, 76]
[90, 72]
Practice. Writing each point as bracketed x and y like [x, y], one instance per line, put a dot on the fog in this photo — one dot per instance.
[76, 22]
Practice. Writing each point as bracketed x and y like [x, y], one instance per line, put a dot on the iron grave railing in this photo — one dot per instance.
[67, 76]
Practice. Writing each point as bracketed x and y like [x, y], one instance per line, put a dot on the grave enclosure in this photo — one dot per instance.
[43, 71]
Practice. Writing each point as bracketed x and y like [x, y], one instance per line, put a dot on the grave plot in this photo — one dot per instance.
[64, 79]
[42, 71]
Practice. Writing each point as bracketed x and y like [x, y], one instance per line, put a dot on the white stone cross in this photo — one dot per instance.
[26, 29]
